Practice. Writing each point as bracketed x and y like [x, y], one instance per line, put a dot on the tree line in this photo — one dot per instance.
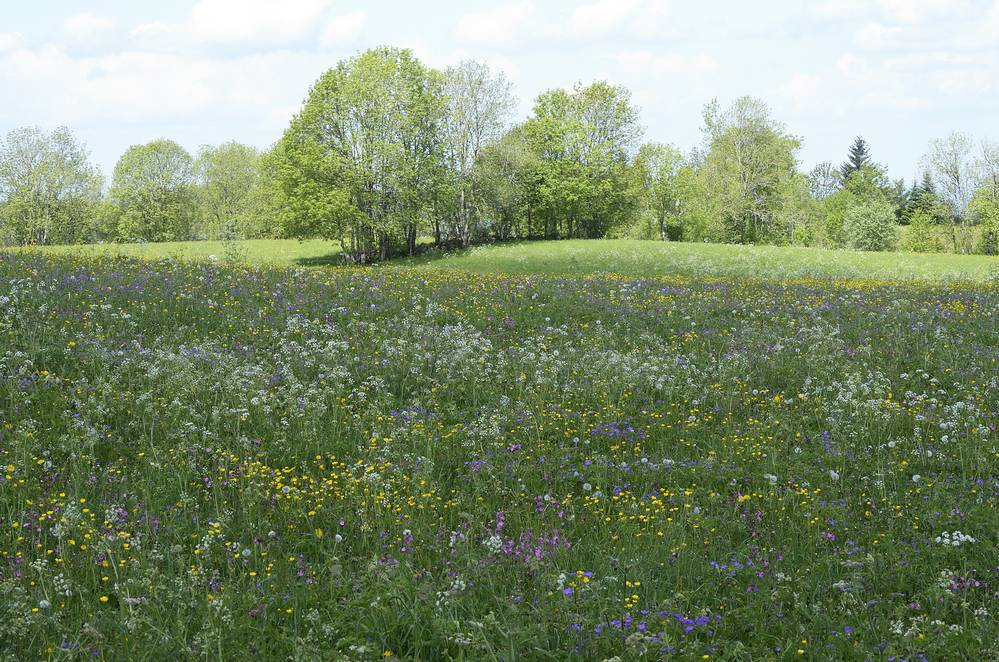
[386, 153]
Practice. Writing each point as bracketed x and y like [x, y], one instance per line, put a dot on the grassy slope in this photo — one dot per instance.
[627, 257]
[646, 258]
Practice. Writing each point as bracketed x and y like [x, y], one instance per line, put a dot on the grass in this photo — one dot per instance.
[647, 258]
[625, 257]
[439, 462]
[275, 252]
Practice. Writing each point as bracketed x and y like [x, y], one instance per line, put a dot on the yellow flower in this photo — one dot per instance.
[319, 533]
[104, 598]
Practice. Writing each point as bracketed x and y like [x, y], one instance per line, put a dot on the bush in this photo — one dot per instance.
[922, 235]
[871, 226]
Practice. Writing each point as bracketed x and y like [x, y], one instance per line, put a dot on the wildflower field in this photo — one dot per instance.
[205, 460]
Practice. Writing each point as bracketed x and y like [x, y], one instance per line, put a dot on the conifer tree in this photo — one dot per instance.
[858, 156]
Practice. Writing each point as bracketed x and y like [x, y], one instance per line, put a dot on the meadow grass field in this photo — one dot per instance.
[582, 450]
[625, 257]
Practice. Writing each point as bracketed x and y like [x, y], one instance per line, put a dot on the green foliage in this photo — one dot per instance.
[832, 232]
[476, 110]
[868, 183]
[505, 179]
[659, 169]
[985, 209]
[870, 225]
[859, 156]
[153, 195]
[922, 234]
[229, 192]
[749, 164]
[49, 191]
[359, 164]
[583, 141]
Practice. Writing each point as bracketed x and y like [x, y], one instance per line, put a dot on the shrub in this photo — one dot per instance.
[870, 226]
[922, 236]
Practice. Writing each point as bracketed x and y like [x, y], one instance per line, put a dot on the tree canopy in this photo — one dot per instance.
[49, 191]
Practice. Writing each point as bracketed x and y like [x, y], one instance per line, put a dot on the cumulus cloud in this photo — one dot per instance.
[601, 17]
[642, 18]
[51, 86]
[87, 26]
[893, 11]
[649, 62]
[495, 26]
[9, 41]
[876, 35]
[990, 27]
[914, 11]
[343, 29]
[256, 21]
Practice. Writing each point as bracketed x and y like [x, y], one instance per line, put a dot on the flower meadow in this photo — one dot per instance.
[205, 460]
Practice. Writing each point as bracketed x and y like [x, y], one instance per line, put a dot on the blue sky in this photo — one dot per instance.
[899, 72]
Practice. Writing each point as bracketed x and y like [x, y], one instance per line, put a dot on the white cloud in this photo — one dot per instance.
[671, 64]
[148, 29]
[9, 40]
[893, 11]
[86, 26]
[267, 21]
[876, 35]
[839, 8]
[915, 11]
[805, 92]
[343, 29]
[493, 26]
[601, 17]
[134, 87]
[990, 27]
[633, 17]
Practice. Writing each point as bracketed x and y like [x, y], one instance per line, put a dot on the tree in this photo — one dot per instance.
[49, 191]
[584, 141]
[858, 156]
[229, 179]
[921, 236]
[869, 182]
[153, 194]
[478, 107]
[824, 180]
[659, 167]
[984, 206]
[870, 225]
[505, 176]
[955, 174]
[750, 159]
[360, 163]
[922, 198]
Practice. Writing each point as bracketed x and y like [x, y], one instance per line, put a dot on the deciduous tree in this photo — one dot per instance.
[153, 195]
[49, 191]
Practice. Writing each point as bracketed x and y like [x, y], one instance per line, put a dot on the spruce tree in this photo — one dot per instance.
[858, 156]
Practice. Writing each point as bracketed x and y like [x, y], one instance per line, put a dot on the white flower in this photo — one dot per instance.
[916, 478]
[953, 539]
[587, 487]
[833, 474]
[44, 604]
